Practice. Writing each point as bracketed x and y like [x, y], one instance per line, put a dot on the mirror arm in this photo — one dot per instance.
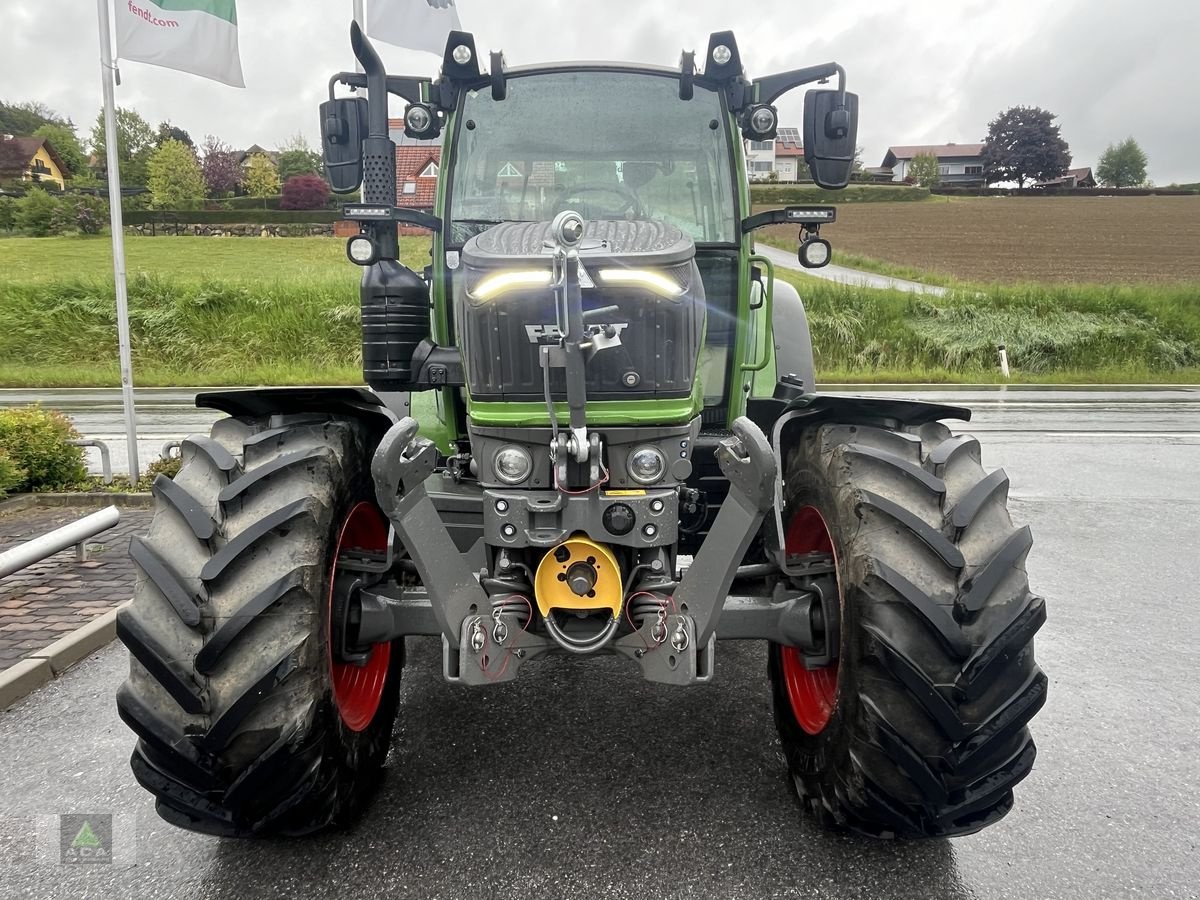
[770, 88]
[406, 87]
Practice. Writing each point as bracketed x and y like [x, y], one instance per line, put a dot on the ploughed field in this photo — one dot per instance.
[1099, 240]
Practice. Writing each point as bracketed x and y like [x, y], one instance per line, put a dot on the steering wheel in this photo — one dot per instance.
[630, 202]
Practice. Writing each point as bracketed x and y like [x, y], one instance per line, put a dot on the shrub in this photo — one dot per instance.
[168, 467]
[12, 476]
[305, 192]
[35, 439]
[39, 214]
[90, 214]
[764, 193]
[8, 213]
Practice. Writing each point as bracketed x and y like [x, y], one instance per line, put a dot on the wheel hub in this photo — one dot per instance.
[811, 692]
[357, 675]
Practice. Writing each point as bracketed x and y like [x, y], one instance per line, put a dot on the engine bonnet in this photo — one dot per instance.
[643, 243]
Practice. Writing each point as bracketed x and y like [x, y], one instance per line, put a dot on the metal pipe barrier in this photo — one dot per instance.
[105, 457]
[76, 533]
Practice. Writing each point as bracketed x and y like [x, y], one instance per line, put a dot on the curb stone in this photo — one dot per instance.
[23, 678]
[39, 668]
[80, 643]
[76, 499]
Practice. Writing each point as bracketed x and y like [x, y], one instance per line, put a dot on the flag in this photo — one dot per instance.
[197, 36]
[416, 24]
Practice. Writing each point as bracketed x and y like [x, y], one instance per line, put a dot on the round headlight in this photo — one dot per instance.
[721, 55]
[418, 118]
[361, 250]
[461, 54]
[646, 465]
[513, 464]
[762, 120]
[815, 253]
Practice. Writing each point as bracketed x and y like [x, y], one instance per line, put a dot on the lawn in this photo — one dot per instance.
[227, 311]
[188, 258]
[1059, 240]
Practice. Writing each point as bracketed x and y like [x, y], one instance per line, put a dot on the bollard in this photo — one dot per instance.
[1003, 361]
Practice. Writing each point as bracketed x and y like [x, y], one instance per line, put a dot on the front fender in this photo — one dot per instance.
[355, 403]
[793, 343]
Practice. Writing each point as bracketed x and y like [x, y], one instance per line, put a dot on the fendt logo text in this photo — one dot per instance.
[537, 332]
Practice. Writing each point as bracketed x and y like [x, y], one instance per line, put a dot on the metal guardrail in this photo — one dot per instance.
[105, 456]
[76, 533]
[170, 450]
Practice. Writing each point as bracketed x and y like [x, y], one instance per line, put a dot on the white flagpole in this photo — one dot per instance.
[358, 17]
[118, 234]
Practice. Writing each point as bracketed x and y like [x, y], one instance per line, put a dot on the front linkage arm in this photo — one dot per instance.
[685, 656]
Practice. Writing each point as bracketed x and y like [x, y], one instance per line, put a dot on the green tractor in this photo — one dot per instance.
[592, 428]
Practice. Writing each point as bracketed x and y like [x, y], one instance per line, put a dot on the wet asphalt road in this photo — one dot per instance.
[580, 780]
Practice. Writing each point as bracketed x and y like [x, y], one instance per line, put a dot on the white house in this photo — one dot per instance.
[783, 156]
[958, 164]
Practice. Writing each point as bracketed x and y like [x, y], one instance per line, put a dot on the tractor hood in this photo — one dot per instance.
[639, 283]
[606, 242]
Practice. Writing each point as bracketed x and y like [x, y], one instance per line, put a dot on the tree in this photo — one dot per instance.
[1023, 144]
[297, 158]
[262, 178]
[175, 181]
[305, 192]
[135, 143]
[1123, 165]
[222, 171]
[28, 117]
[924, 170]
[66, 145]
[168, 132]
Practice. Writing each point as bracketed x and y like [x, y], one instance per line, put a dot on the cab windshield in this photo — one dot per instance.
[611, 145]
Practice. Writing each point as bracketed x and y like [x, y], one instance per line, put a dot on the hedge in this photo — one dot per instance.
[1063, 192]
[799, 193]
[233, 217]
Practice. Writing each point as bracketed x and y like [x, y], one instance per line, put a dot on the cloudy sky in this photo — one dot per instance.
[928, 71]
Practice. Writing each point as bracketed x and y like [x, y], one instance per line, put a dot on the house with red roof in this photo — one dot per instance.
[960, 165]
[418, 164]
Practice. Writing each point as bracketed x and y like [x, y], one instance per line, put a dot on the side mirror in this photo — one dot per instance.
[830, 136]
[343, 127]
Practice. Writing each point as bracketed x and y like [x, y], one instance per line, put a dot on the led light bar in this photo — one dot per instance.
[653, 281]
[502, 282]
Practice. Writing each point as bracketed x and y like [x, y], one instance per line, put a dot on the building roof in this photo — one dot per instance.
[412, 188]
[788, 142]
[1073, 175]
[941, 151]
[272, 155]
[16, 153]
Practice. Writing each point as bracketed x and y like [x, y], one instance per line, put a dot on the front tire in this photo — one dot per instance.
[246, 724]
[919, 728]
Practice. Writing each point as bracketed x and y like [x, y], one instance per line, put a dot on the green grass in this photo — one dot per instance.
[1055, 334]
[209, 311]
[187, 258]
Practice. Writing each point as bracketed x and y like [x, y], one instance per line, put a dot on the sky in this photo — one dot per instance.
[927, 71]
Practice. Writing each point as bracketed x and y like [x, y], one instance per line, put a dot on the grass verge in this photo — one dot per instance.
[285, 311]
[1053, 334]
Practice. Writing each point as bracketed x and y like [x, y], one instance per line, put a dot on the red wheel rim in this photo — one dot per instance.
[811, 692]
[357, 690]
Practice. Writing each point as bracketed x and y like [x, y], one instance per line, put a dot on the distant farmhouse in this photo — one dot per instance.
[960, 165]
[1072, 178]
[30, 159]
[255, 150]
